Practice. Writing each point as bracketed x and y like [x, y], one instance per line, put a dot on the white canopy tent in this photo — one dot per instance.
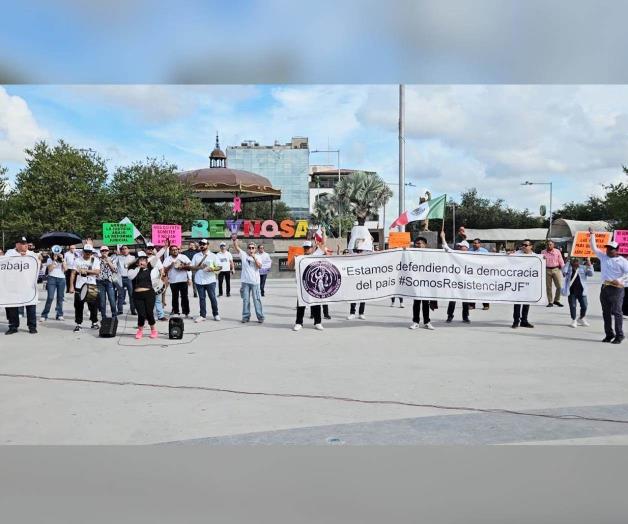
[567, 229]
[504, 235]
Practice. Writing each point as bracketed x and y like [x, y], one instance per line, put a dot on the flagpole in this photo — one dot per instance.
[402, 173]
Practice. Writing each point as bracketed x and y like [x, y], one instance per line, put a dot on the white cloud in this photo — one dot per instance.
[18, 128]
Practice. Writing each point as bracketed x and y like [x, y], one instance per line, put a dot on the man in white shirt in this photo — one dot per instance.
[85, 272]
[226, 261]
[265, 269]
[178, 268]
[123, 260]
[249, 280]
[13, 316]
[205, 265]
[614, 269]
[55, 284]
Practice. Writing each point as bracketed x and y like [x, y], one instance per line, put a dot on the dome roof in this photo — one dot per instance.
[222, 183]
[217, 153]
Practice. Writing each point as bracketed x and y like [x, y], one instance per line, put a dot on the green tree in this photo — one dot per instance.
[327, 212]
[361, 194]
[61, 188]
[150, 192]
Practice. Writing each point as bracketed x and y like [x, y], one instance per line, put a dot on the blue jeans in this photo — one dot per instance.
[126, 285]
[54, 285]
[245, 291]
[106, 291]
[573, 299]
[159, 307]
[210, 289]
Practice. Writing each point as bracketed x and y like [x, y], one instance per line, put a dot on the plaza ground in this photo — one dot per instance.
[233, 383]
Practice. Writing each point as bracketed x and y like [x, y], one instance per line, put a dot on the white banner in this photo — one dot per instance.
[18, 281]
[422, 274]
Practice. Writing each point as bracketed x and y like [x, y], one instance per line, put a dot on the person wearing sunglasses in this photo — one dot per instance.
[520, 311]
[250, 280]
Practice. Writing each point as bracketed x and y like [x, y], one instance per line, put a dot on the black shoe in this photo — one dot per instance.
[327, 317]
[228, 294]
[33, 331]
[466, 321]
[617, 340]
[449, 319]
[550, 305]
[526, 324]
[558, 304]
[10, 331]
[219, 294]
[515, 325]
[485, 308]
[607, 339]
[134, 313]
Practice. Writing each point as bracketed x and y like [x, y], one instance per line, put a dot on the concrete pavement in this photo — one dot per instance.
[226, 381]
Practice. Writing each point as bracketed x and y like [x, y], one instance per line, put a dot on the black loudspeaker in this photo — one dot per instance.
[175, 328]
[108, 327]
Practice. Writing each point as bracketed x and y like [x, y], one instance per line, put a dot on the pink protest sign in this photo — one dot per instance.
[621, 237]
[161, 232]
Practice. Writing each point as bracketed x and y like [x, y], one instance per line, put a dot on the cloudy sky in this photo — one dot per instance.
[457, 137]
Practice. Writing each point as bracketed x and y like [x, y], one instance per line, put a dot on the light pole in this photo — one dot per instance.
[527, 183]
[453, 222]
[337, 151]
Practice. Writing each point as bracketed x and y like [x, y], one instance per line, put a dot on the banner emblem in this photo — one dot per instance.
[321, 279]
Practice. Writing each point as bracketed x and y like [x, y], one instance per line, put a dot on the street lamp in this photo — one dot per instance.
[337, 151]
[527, 183]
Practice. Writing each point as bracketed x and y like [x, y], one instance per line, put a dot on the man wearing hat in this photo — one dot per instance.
[614, 270]
[13, 316]
[225, 259]
[86, 270]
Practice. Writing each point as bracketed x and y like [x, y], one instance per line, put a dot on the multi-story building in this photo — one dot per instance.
[285, 165]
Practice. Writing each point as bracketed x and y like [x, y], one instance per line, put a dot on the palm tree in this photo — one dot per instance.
[362, 194]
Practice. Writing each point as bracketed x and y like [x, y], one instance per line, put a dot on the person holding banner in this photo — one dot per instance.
[554, 266]
[461, 245]
[143, 294]
[421, 306]
[520, 311]
[614, 270]
[575, 289]
[177, 266]
[361, 241]
[123, 260]
[13, 315]
[86, 270]
[308, 250]
[249, 280]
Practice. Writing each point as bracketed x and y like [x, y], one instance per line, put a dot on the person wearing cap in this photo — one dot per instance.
[554, 264]
[614, 269]
[105, 283]
[227, 269]
[13, 315]
[204, 268]
[461, 245]
[143, 294]
[575, 289]
[123, 260]
[249, 280]
[55, 284]
[308, 250]
[265, 269]
[520, 311]
[85, 272]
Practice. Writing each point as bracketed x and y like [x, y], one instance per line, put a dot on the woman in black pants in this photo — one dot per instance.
[143, 294]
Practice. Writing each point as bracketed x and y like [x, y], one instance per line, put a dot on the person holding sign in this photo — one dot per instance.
[177, 266]
[315, 310]
[520, 311]
[463, 246]
[249, 278]
[205, 265]
[575, 288]
[13, 316]
[421, 306]
[614, 270]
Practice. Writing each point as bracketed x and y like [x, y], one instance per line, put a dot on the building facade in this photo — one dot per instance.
[287, 166]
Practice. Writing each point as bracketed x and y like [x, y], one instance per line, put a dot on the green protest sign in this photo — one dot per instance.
[114, 233]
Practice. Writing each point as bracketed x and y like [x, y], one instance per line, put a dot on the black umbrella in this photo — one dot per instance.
[61, 238]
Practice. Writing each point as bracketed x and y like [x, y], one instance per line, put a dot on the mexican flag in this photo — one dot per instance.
[434, 208]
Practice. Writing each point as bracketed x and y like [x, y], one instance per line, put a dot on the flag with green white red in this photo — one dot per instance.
[433, 208]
